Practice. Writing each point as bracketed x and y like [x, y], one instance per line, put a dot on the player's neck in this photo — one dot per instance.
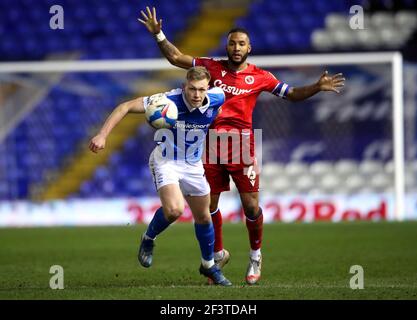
[238, 67]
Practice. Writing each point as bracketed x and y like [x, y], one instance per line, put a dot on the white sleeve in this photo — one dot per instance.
[145, 102]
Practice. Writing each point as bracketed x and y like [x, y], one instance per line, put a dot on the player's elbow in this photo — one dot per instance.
[177, 60]
[295, 95]
[172, 58]
[292, 99]
[124, 107]
[291, 96]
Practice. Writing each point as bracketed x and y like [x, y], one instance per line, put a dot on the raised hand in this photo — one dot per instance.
[331, 83]
[97, 143]
[150, 21]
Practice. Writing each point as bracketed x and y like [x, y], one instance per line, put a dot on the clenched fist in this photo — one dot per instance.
[97, 143]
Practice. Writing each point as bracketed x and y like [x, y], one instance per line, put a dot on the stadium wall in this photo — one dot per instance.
[296, 208]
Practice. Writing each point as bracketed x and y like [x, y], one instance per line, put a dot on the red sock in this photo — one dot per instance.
[217, 219]
[255, 229]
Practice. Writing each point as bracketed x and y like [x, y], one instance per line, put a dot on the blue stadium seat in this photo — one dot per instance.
[85, 23]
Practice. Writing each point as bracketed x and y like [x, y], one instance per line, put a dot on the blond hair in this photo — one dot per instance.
[198, 73]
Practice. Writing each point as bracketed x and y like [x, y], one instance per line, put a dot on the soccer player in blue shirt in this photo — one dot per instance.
[176, 165]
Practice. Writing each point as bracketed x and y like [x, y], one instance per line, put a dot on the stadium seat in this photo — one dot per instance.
[295, 169]
[343, 38]
[381, 20]
[355, 182]
[319, 168]
[406, 19]
[370, 167]
[380, 181]
[346, 167]
[389, 167]
[322, 40]
[304, 183]
[336, 21]
[273, 169]
[329, 182]
[280, 185]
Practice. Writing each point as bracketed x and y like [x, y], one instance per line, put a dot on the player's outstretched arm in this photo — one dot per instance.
[133, 106]
[173, 55]
[325, 83]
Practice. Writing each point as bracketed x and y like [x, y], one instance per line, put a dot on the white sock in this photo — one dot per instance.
[207, 264]
[219, 255]
[255, 254]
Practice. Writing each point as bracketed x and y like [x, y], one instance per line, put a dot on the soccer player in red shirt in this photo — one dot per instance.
[242, 83]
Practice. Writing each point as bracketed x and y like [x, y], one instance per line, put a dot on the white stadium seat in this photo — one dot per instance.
[280, 184]
[330, 182]
[272, 169]
[343, 38]
[380, 181]
[370, 167]
[322, 40]
[293, 169]
[355, 182]
[389, 167]
[406, 19]
[368, 38]
[305, 183]
[346, 167]
[380, 20]
[336, 21]
[393, 37]
[320, 168]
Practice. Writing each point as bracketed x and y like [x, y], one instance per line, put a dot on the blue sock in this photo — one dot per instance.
[205, 236]
[158, 224]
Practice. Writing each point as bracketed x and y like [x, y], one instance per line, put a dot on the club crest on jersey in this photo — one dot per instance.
[251, 174]
[249, 80]
[223, 73]
[209, 113]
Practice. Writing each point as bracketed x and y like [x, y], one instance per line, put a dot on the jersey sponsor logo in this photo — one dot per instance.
[223, 73]
[249, 80]
[230, 89]
[192, 126]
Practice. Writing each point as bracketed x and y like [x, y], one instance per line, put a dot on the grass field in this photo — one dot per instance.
[301, 261]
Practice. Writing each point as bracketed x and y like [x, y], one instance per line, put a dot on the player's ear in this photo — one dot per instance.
[249, 48]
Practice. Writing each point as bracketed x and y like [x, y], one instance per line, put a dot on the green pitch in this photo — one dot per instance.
[300, 261]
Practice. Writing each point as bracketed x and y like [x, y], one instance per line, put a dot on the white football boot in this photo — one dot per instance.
[253, 273]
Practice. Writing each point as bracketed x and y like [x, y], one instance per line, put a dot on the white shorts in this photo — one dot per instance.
[189, 176]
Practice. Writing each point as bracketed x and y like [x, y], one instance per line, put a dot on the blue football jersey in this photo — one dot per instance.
[185, 140]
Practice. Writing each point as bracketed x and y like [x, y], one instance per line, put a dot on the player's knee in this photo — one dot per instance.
[251, 210]
[206, 219]
[213, 207]
[173, 213]
[214, 202]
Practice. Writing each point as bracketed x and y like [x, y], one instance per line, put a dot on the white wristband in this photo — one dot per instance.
[160, 36]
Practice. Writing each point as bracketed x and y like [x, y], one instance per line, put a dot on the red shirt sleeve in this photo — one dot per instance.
[275, 86]
[203, 62]
[270, 81]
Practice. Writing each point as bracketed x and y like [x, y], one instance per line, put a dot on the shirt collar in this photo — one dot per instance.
[202, 109]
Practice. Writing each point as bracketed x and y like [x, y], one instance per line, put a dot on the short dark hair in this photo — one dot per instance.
[238, 29]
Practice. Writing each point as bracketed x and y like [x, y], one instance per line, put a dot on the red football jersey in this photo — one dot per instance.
[242, 88]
